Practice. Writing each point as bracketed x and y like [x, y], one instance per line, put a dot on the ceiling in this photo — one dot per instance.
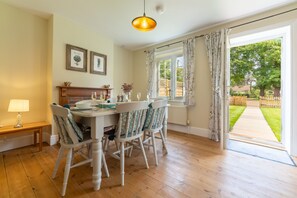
[113, 18]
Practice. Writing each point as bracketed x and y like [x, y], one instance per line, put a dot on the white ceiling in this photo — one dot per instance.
[113, 18]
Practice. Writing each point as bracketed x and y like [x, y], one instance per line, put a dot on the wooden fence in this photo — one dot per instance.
[274, 102]
[165, 88]
[238, 100]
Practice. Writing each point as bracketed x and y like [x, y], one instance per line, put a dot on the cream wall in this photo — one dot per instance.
[23, 65]
[33, 51]
[68, 32]
[49, 67]
[123, 68]
[119, 60]
[198, 115]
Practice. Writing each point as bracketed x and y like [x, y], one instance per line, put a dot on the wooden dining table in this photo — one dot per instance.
[98, 119]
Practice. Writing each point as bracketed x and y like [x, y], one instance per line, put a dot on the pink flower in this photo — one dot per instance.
[127, 87]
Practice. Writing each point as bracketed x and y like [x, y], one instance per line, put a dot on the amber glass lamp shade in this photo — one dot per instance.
[144, 23]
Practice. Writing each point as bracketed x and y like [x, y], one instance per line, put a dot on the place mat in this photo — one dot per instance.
[263, 152]
[78, 109]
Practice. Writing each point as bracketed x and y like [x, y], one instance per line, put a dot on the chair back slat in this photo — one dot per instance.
[66, 126]
[131, 120]
[156, 114]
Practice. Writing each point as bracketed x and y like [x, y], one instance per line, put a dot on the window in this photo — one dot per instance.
[171, 75]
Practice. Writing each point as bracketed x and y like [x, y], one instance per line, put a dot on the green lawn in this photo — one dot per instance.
[234, 113]
[273, 118]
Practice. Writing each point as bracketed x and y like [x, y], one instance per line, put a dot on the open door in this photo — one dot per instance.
[282, 33]
[226, 93]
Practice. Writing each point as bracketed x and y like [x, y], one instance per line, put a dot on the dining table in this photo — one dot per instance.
[99, 118]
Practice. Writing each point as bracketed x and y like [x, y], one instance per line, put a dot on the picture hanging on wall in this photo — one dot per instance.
[76, 58]
[98, 63]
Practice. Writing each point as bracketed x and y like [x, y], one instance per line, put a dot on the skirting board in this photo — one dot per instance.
[189, 130]
[25, 140]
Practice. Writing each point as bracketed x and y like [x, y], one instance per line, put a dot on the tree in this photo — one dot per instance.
[165, 72]
[240, 65]
[261, 60]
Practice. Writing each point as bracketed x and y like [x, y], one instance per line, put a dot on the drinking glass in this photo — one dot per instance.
[148, 97]
[138, 95]
[94, 97]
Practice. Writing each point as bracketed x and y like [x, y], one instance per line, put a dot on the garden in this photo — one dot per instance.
[255, 78]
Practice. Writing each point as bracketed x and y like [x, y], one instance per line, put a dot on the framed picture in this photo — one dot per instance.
[98, 63]
[76, 58]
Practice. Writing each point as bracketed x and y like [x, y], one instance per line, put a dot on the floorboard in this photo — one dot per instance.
[194, 167]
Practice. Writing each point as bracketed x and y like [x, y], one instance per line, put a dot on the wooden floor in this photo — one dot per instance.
[194, 167]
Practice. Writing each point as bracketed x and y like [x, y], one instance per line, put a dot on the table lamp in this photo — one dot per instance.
[18, 105]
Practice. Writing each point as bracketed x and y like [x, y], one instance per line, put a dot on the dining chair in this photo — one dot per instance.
[154, 124]
[129, 129]
[74, 140]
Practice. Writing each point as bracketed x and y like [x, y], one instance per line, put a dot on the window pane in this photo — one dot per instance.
[165, 76]
[179, 68]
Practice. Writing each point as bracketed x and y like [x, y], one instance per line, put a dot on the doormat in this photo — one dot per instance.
[261, 152]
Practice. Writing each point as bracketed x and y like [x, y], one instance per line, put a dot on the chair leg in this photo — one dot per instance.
[105, 143]
[154, 147]
[122, 162]
[105, 165]
[143, 152]
[60, 155]
[130, 151]
[163, 141]
[117, 146]
[67, 170]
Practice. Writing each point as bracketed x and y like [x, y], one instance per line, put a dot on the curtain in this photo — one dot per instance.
[152, 73]
[189, 74]
[216, 52]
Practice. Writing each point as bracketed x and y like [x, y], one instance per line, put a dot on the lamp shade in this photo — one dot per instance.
[144, 23]
[18, 105]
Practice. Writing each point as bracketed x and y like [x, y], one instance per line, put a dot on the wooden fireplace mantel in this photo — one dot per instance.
[70, 95]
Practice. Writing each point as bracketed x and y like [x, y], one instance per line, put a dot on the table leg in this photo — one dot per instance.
[40, 139]
[97, 154]
[35, 138]
[97, 124]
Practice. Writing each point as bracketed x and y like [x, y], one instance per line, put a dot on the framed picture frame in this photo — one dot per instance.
[76, 58]
[98, 63]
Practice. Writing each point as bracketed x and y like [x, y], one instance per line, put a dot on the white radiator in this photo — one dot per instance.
[177, 114]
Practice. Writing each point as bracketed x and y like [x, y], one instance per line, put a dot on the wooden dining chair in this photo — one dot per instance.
[129, 129]
[154, 124]
[74, 140]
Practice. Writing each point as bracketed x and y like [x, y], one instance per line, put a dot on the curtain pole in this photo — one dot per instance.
[235, 26]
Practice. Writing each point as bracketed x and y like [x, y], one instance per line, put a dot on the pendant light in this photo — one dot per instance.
[144, 23]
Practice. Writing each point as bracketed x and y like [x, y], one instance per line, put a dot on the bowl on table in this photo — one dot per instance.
[85, 104]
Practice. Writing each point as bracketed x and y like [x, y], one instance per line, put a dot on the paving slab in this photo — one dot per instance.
[252, 124]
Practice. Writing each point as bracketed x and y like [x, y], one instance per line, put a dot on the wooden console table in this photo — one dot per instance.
[70, 95]
[35, 127]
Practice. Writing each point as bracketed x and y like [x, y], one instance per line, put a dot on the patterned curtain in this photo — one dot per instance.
[215, 43]
[152, 73]
[189, 78]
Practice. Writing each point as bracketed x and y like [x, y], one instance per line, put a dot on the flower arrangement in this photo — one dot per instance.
[127, 87]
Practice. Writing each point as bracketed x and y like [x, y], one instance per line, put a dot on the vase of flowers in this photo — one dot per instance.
[127, 89]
